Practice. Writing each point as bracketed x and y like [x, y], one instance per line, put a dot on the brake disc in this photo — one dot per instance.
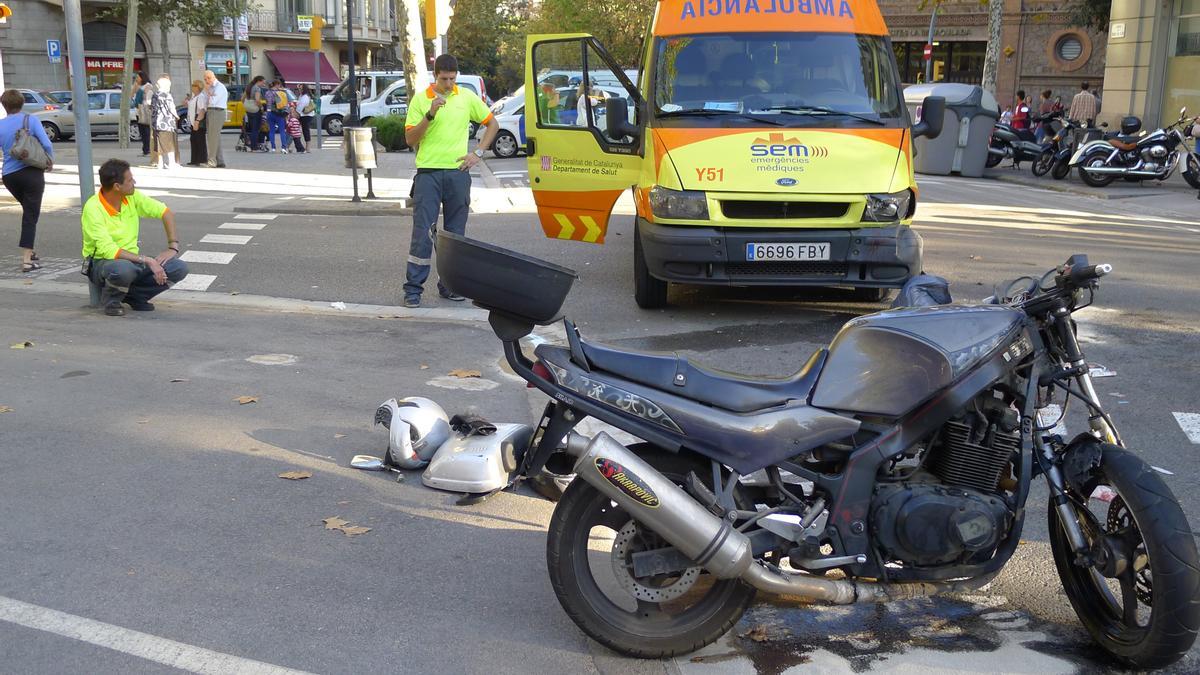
[624, 546]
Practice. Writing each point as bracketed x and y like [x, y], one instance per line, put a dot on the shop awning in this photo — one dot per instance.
[296, 67]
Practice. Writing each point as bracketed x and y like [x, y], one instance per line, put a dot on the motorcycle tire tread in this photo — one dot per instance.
[1155, 507]
[577, 495]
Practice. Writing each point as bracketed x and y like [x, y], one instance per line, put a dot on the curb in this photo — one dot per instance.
[489, 178]
[366, 207]
[1069, 188]
[466, 315]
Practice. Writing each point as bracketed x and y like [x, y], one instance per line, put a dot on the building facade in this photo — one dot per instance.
[1153, 67]
[1039, 48]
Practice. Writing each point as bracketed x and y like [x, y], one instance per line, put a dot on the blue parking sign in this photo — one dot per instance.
[54, 50]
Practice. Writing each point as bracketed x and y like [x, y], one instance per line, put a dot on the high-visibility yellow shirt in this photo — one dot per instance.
[108, 230]
[445, 139]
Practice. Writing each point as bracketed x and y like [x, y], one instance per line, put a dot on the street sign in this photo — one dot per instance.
[243, 28]
[54, 50]
[928, 54]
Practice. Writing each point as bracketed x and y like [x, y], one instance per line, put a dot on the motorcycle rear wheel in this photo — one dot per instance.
[992, 160]
[1100, 180]
[1148, 616]
[1043, 164]
[689, 609]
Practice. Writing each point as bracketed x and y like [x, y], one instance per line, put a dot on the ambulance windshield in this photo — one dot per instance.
[837, 78]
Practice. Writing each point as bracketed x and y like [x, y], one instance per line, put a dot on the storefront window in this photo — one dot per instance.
[1181, 88]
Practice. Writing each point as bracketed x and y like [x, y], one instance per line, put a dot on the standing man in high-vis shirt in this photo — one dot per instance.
[111, 220]
[438, 124]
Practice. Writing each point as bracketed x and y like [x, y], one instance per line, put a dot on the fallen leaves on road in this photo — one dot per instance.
[424, 367]
[349, 530]
[339, 435]
[26, 344]
[758, 633]
[461, 373]
[179, 379]
[296, 475]
[976, 257]
[243, 400]
[4, 409]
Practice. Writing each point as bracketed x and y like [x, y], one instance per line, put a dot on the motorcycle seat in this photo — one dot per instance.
[1025, 135]
[731, 391]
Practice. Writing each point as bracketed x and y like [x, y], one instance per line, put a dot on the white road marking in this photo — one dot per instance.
[1190, 423]
[256, 216]
[242, 226]
[142, 645]
[195, 282]
[217, 257]
[236, 239]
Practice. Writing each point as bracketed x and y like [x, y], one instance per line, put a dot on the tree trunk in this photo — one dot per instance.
[412, 46]
[991, 58]
[127, 76]
[163, 29]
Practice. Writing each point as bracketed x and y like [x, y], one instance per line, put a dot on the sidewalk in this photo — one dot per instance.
[1174, 194]
[309, 184]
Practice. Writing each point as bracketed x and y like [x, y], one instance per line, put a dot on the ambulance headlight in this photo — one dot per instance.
[888, 207]
[678, 204]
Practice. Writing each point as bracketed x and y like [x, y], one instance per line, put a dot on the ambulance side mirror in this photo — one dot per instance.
[933, 112]
[616, 110]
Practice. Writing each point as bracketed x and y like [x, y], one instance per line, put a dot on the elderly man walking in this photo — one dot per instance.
[214, 117]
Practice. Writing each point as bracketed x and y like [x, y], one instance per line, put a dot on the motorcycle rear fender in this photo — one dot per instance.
[1089, 148]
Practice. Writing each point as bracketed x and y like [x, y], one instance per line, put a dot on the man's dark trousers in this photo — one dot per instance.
[448, 190]
[126, 280]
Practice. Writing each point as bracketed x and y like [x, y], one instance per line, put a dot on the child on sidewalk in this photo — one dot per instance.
[294, 128]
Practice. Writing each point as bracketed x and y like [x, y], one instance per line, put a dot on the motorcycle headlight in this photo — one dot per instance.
[679, 204]
[888, 207]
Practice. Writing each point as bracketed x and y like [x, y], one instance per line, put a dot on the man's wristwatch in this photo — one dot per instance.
[429, 117]
[479, 153]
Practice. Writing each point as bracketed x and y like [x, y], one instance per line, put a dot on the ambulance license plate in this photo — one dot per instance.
[795, 251]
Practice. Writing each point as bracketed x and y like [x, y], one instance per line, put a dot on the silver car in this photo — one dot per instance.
[104, 115]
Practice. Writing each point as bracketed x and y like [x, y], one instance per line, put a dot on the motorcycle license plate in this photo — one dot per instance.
[794, 251]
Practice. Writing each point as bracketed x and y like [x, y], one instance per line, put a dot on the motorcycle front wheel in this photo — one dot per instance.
[1143, 605]
[1191, 171]
[1043, 164]
[1060, 170]
[1099, 180]
[589, 551]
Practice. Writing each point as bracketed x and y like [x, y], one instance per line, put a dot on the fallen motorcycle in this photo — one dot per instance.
[901, 456]
[1133, 157]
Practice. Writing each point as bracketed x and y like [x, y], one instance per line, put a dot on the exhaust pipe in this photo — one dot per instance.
[652, 499]
[1118, 170]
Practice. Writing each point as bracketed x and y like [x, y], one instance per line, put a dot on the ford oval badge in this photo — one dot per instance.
[786, 182]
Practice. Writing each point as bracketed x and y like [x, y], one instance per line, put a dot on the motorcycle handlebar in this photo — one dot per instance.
[1080, 275]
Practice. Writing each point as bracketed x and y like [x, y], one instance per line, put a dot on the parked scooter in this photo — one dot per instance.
[1056, 159]
[1133, 157]
[1020, 145]
[901, 456]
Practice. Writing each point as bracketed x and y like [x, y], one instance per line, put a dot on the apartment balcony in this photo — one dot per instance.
[378, 26]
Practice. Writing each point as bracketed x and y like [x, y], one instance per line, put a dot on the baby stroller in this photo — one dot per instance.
[243, 143]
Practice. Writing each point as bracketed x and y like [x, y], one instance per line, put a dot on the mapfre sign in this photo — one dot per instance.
[104, 64]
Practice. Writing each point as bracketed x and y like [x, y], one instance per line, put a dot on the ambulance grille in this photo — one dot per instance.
[786, 269]
[756, 210]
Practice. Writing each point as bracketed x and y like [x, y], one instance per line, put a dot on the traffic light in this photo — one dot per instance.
[5, 12]
[437, 16]
[229, 66]
[314, 33]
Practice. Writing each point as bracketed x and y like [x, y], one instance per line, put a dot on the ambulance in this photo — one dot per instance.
[766, 142]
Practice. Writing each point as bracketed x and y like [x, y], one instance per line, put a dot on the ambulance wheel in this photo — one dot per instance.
[649, 292]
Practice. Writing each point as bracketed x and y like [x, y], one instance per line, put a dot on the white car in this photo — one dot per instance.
[374, 86]
[511, 139]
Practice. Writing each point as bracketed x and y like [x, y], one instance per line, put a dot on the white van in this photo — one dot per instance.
[372, 85]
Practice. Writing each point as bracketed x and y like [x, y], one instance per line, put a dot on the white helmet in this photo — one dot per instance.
[418, 428]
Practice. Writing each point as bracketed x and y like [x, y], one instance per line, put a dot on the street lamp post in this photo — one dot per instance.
[929, 43]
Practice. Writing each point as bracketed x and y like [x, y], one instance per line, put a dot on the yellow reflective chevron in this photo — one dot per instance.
[591, 231]
[568, 230]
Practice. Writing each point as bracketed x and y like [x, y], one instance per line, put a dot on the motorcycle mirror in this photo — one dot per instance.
[1183, 112]
[367, 463]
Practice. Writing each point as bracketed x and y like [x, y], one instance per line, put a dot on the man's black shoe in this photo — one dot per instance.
[450, 295]
[412, 301]
[114, 309]
[139, 305]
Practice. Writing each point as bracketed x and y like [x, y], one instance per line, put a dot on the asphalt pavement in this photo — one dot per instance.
[145, 499]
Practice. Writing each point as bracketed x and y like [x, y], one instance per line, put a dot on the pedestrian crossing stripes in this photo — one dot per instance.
[256, 216]
[241, 226]
[217, 257]
[1190, 423]
[235, 239]
[195, 282]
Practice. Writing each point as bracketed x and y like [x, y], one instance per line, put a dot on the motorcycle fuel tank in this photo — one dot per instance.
[887, 363]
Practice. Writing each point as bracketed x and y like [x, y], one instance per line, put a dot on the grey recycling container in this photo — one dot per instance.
[358, 146]
[971, 112]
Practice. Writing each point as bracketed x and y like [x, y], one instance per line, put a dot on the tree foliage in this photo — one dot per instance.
[188, 16]
[1090, 14]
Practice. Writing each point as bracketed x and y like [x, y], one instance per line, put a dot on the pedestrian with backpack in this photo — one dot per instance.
[277, 107]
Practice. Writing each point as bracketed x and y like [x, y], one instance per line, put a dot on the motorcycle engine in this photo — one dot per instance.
[951, 510]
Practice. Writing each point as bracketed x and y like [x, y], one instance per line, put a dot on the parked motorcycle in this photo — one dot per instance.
[1020, 145]
[1147, 156]
[1191, 166]
[1056, 159]
[902, 456]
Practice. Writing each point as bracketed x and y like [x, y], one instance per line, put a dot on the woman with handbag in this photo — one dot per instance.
[27, 157]
[307, 104]
[196, 105]
[252, 103]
